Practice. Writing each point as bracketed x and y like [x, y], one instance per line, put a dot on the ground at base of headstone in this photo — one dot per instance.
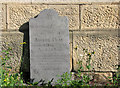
[75, 81]
[33, 86]
[92, 84]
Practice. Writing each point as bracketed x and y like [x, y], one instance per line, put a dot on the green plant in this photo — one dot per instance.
[83, 80]
[114, 81]
[65, 80]
[6, 77]
[32, 84]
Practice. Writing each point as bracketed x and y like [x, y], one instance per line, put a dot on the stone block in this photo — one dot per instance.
[71, 1]
[73, 22]
[16, 1]
[2, 17]
[13, 40]
[98, 78]
[70, 47]
[65, 9]
[72, 11]
[19, 14]
[55, 1]
[103, 43]
[102, 78]
[100, 17]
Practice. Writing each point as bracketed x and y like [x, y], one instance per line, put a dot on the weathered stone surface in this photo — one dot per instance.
[20, 14]
[100, 17]
[70, 46]
[71, 1]
[73, 22]
[56, 1]
[72, 11]
[102, 77]
[49, 46]
[2, 17]
[103, 43]
[13, 40]
[19, 1]
[96, 77]
[65, 9]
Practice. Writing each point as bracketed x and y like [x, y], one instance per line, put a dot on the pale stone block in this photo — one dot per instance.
[104, 44]
[97, 77]
[73, 22]
[2, 17]
[56, 1]
[65, 9]
[71, 1]
[20, 14]
[16, 1]
[102, 77]
[13, 40]
[100, 17]
[72, 11]
[70, 45]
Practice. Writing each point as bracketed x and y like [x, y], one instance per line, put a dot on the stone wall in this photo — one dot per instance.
[92, 25]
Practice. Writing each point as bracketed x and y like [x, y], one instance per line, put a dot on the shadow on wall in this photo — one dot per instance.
[25, 64]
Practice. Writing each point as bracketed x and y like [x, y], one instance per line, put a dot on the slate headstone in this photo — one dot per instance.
[49, 46]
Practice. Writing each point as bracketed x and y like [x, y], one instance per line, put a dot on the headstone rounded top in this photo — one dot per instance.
[49, 13]
[49, 18]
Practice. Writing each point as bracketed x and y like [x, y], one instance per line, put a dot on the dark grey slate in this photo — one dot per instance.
[49, 46]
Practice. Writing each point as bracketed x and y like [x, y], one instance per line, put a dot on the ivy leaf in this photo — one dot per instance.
[88, 66]
[7, 52]
[35, 83]
[93, 52]
[3, 51]
[9, 67]
[3, 63]
[83, 49]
